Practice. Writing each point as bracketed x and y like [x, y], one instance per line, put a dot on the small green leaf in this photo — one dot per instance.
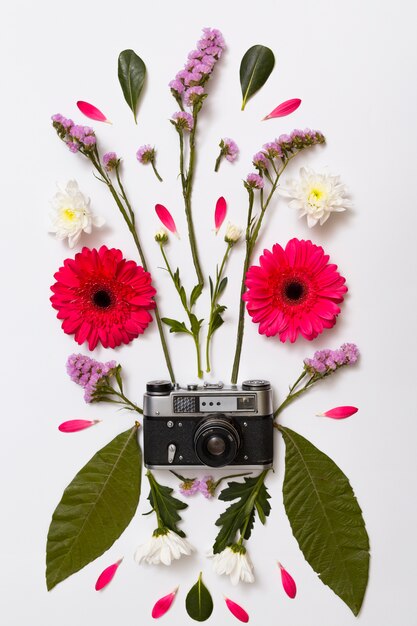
[240, 516]
[165, 505]
[222, 286]
[95, 508]
[175, 326]
[255, 69]
[211, 288]
[217, 319]
[195, 294]
[326, 519]
[199, 603]
[195, 324]
[131, 72]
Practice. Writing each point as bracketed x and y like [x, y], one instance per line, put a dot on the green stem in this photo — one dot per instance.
[214, 299]
[218, 161]
[293, 395]
[187, 192]
[154, 488]
[130, 222]
[241, 322]
[156, 171]
[188, 312]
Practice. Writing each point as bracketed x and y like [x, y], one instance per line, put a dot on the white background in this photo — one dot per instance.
[353, 65]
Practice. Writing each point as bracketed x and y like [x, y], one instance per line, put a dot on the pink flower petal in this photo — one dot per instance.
[285, 108]
[166, 218]
[340, 412]
[92, 112]
[107, 575]
[288, 582]
[237, 611]
[163, 604]
[72, 426]
[220, 212]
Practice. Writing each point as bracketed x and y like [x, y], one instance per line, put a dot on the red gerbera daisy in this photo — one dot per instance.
[294, 291]
[102, 297]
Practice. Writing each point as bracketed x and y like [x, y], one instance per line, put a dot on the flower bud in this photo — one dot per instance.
[233, 234]
[161, 236]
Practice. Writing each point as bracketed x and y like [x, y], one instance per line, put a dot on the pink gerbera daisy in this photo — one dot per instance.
[294, 291]
[101, 297]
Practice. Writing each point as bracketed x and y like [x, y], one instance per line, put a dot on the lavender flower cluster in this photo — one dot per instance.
[281, 148]
[88, 373]
[76, 137]
[188, 84]
[205, 486]
[229, 149]
[327, 361]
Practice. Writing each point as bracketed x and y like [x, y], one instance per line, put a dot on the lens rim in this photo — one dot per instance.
[222, 427]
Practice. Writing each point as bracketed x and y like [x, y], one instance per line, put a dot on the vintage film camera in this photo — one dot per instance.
[212, 425]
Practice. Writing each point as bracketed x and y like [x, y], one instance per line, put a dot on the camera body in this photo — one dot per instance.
[212, 426]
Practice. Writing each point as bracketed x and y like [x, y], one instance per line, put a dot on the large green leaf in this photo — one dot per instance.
[131, 72]
[251, 496]
[95, 508]
[326, 519]
[199, 603]
[255, 69]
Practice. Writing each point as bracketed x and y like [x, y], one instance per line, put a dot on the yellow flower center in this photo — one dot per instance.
[315, 195]
[68, 215]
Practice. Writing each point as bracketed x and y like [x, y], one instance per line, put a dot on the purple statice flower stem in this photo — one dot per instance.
[156, 171]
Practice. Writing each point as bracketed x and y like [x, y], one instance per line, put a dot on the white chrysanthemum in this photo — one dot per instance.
[71, 214]
[316, 195]
[234, 562]
[233, 233]
[163, 547]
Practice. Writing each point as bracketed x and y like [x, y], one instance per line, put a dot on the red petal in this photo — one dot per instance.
[107, 575]
[340, 412]
[285, 108]
[288, 582]
[237, 611]
[165, 217]
[91, 111]
[220, 212]
[163, 604]
[72, 426]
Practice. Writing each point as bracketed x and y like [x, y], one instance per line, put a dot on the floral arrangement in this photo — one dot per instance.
[289, 291]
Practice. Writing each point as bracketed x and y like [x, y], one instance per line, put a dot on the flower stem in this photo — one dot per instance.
[218, 161]
[187, 187]
[214, 299]
[156, 171]
[293, 395]
[129, 217]
[194, 333]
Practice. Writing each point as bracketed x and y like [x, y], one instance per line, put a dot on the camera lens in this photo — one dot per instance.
[216, 441]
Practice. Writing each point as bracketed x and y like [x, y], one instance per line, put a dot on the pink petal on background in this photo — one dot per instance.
[237, 611]
[285, 108]
[92, 112]
[72, 426]
[166, 218]
[288, 582]
[163, 604]
[220, 212]
[107, 575]
[340, 412]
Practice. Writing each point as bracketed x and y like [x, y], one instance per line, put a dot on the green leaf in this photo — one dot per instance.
[175, 325]
[251, 495]
[255, 69]
[326, 519]
[195, 294]
[211, 288]
[131, 72]
[165, 505]
[199, 603]
[195, 324]
[222, 286]
[217, 319]
[95, 508]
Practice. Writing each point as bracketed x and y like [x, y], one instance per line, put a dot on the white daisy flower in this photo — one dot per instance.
[163, 547]
[234, 562]
[71, 214]
[316, 195]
